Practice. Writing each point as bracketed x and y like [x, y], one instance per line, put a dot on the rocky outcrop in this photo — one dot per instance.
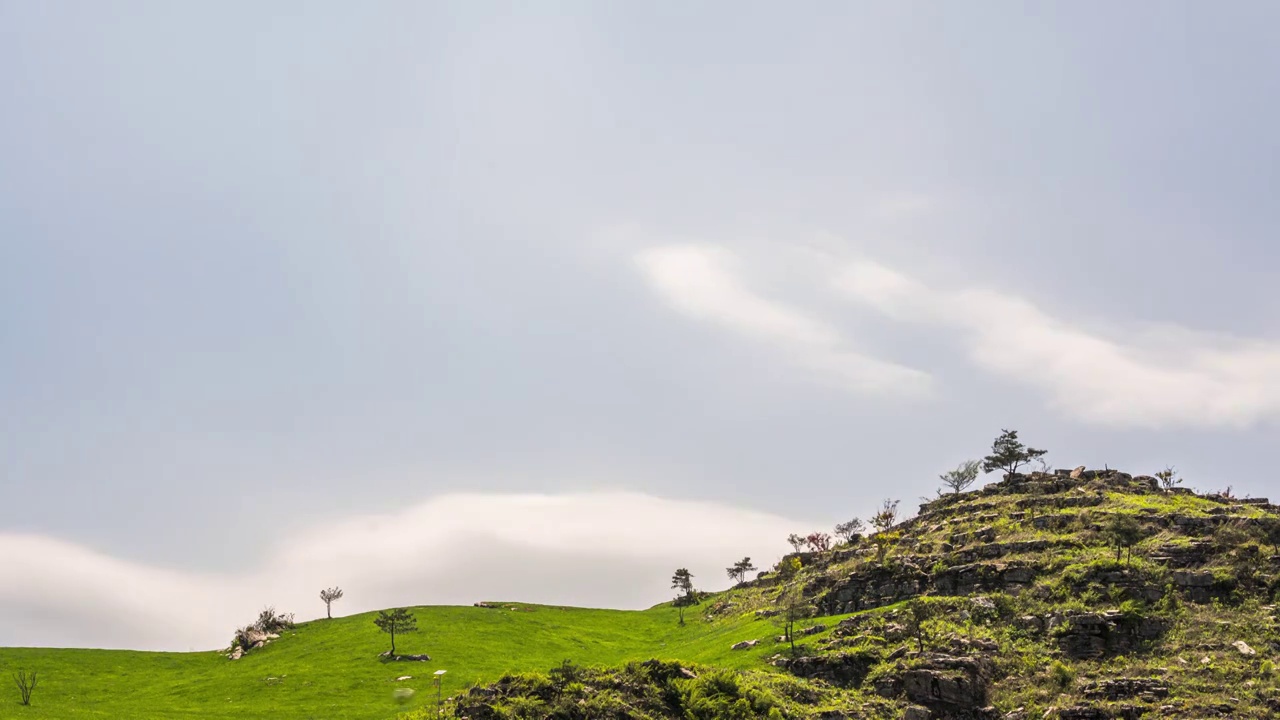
[404, 658]
[1127, 688]
[950, 686]
[840, 669]
[1094, 635]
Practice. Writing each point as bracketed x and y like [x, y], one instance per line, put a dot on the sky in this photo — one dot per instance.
[448, 302]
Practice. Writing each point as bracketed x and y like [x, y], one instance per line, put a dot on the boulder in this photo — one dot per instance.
[1244, 648]
[915, 712]
[744, 645]
[1075, 474]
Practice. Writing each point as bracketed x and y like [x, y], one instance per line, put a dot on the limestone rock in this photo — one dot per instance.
[744, 644]
[1244, 648]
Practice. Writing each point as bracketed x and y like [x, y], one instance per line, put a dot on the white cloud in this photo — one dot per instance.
[595, 549]
[702, 282]
[1148, 377]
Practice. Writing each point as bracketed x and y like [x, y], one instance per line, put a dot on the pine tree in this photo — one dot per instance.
[1008, 453]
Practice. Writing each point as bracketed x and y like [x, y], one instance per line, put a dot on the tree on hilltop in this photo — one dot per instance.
[847, 531]
[886, 517]
[1008, 453]
[740, 569]
[396, 622]
[796, 540]
[1168, 478]
[329, 595]
[818, 541]
[682, 580]
[965, 475]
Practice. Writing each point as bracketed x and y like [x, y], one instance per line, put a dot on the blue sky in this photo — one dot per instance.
[266, 269]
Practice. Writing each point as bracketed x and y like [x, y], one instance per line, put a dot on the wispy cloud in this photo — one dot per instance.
[704, 283]
[1150, 376]
[595, 549]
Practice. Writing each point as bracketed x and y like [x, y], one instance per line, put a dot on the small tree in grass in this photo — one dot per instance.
[965, 475]
[792, 608]
[329, 595]
[918, 612]
[680, 603]
[1122, 531]
[396, 622]
[1008, 453]
[740, 569]
[26, 683]
[847, 531]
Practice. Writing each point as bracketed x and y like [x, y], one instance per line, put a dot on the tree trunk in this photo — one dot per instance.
[393, 640]
[328, 611]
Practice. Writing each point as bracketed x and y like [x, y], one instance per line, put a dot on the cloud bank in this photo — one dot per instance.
[704, 283]
[594, 549]
[1149, 377]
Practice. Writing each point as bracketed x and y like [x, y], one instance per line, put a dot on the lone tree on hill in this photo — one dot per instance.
[886, 517]
[847, 531]
[796, 540]
[393, 622]
[740, 569]
[1008, 453]
[1168, 478]
[682, 580]
[1122, 531]
[328, 596]
[965, 474]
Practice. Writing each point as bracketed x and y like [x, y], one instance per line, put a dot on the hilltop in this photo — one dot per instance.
[1074, 594]
[1006, 602]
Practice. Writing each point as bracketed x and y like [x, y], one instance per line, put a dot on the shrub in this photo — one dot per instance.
[1062, 675]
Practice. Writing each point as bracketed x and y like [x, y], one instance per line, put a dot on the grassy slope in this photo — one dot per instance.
[330, 669]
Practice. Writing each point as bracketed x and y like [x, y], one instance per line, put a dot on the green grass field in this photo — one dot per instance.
[331, 669]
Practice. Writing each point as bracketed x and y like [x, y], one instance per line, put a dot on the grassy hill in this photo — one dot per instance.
[330, 668]
[1008, 603]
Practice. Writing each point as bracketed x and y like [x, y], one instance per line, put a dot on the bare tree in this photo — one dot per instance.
[793, 608]
[26, 683]
[818, 541]
[847, 531]
[328, 595]
[962, 477]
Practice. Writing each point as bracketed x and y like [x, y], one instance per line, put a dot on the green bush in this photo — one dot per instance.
[1061, 675]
